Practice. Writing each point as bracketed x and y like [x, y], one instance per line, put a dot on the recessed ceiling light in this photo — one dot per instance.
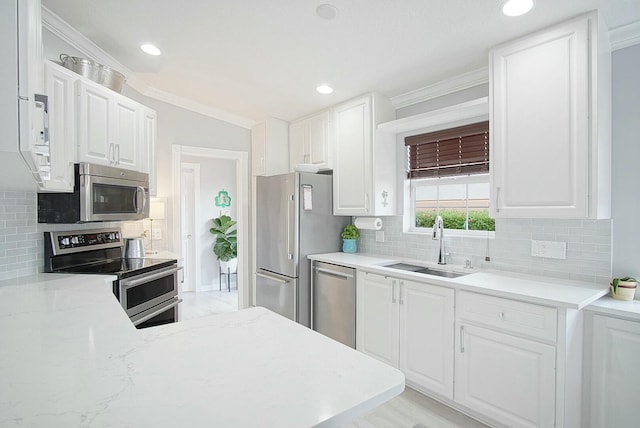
[327, 11]
[150, 49]
[517, 7]
[324, 89]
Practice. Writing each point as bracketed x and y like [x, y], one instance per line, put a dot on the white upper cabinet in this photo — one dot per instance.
[149, 137]
[270, 147]
[309, 141]
[550, 144]
[364, 178]
[109, 127]
[60, 88]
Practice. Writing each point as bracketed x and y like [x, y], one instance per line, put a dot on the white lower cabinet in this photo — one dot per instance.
[614, 375]
[510, 363]
[408, 325]
[504, 377]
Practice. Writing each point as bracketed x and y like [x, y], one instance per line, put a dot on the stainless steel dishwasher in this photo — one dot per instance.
[333, 302]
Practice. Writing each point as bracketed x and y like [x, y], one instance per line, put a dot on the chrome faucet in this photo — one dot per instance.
[438, 233]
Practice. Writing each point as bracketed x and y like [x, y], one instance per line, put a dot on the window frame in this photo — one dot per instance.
[410, 193]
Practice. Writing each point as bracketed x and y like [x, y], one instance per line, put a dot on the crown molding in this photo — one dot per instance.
[448, 86]
[197, 107]
[625, 36]
[61, 29]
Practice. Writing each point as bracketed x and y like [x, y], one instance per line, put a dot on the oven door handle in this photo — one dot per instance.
[158, 312]
[147, 278]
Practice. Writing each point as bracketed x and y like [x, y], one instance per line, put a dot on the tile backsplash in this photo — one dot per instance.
[588, 243]
[588, 247]
[21, 237]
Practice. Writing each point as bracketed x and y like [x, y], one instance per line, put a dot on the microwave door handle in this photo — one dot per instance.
[139, 190]
[144, 198]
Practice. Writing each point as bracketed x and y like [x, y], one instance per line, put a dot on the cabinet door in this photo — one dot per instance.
[614, 374]
[426, 336]
[540, 124]
[318, 138]
[148, 161]
[126, 133]
[298, 144]
[94, 125]
[506, 378]
[258, 141]
[60, 87]
[352, 147]
[377, 317]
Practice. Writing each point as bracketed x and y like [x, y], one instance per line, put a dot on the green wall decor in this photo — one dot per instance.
[223, 199]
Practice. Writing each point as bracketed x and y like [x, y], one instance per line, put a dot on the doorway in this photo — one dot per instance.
[189, 193]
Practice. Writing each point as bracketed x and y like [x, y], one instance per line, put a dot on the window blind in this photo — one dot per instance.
[456, 151]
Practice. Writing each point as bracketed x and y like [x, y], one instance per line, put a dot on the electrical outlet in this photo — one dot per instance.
[379, 235]
[549, 249]
[157, 234]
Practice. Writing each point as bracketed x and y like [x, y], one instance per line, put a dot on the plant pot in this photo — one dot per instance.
[349, 245]
[229, 266]
[626, 290]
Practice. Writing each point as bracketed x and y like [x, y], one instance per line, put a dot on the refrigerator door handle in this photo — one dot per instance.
[272, 278]
[290, 233]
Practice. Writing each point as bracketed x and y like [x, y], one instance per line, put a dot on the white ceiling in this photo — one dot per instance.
[255, 58]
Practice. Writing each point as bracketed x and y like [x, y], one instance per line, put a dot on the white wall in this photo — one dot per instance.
[625, 115]
[215, 175]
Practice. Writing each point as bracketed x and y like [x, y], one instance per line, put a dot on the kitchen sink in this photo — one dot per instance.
[425, 270]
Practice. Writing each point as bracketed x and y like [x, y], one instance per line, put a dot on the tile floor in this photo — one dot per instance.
[408, 410]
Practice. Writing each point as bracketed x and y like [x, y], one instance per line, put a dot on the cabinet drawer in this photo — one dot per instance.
[508, 315]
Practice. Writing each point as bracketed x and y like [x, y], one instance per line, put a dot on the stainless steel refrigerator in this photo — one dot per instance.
[294, 219]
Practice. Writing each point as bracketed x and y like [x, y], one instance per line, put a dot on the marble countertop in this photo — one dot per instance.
[71, 357]
[542, 290]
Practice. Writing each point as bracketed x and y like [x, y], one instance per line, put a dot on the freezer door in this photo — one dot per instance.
[277, 293]
[276, 224]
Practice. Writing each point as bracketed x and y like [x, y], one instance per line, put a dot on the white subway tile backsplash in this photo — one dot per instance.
[588, 247]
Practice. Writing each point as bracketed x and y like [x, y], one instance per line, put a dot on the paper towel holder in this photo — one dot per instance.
[368, 223]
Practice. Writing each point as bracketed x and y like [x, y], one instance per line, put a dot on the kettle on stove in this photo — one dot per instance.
[133, 248]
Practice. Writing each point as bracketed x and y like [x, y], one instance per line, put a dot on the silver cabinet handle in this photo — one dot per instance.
[272, 278]
[366, 202]
[393, 292]
[461, 339]
[111, 154]
[400, 300]
[117, 151]
[497, 199]
[334, 273]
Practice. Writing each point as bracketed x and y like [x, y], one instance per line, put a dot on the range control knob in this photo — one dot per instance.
[64, 241]
[75, 240]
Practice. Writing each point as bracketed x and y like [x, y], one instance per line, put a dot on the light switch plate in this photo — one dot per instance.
[549, 249]
[379, 235]
[157, 234]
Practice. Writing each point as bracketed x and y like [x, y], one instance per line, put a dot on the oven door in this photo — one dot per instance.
[164, 313]
[113, 199]
[142, 292]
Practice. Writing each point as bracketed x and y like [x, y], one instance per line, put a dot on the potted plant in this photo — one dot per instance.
[226, 245]
[349, 235]
[623, 288]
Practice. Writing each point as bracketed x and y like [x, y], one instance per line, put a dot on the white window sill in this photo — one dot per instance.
[457, 233]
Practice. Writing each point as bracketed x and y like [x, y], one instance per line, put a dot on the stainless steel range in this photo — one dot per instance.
[146, 288]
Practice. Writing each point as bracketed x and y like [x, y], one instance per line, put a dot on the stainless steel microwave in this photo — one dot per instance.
[101, 193]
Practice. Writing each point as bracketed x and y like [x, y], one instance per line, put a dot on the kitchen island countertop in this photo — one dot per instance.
[71, 357]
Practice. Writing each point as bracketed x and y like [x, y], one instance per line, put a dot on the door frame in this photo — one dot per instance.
[242, 209]
[195, 273]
